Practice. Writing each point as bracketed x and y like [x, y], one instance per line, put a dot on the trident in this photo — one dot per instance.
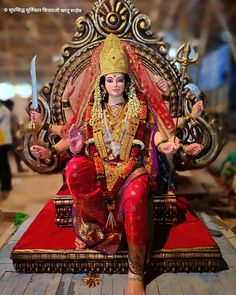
[184, 59]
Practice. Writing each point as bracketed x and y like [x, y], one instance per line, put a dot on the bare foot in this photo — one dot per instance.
[79, 245]
[135, 287]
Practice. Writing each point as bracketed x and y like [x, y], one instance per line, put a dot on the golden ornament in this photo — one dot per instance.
[113, 58]
[91, 280]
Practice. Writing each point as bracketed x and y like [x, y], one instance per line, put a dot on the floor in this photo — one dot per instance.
[28, 194]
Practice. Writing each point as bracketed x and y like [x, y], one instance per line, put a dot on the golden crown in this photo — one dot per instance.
[113, 58]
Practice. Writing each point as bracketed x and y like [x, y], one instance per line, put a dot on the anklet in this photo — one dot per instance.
[133, 276]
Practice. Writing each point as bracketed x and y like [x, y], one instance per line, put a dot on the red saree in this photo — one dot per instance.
[90, 211]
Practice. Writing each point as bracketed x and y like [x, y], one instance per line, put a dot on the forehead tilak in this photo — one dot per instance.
[114, 76]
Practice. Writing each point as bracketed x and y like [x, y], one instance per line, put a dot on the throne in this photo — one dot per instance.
[124, 20]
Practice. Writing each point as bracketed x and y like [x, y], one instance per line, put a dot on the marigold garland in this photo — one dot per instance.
[127, 167]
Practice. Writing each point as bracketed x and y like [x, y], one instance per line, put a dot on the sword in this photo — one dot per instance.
[34, 83]
[32, 126]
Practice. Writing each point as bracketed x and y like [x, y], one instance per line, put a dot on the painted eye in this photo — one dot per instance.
[120, 80]
[109, 80]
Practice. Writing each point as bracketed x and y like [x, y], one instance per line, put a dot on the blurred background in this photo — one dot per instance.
[210, 26]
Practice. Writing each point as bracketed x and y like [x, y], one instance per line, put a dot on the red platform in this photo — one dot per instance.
[186, 246]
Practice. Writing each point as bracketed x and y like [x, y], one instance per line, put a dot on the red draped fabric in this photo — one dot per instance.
[90, 211]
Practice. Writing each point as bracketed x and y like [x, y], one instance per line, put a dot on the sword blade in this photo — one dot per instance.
[34, 83]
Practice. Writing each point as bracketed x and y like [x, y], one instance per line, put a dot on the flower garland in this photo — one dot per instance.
[96, 112]
[125, 168]
[133, 103]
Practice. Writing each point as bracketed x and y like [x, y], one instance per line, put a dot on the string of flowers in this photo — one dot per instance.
[136, 149]
[97, 105]
[133, 102]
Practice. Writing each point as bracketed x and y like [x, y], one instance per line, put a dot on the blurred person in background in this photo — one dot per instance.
[16, 134]
[5, 146]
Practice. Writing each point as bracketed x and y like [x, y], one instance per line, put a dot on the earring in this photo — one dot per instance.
[103, 92]
[127, 88]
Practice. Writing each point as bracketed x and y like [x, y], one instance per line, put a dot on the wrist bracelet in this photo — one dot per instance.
[65, 104]
[187, 118]
[53, 150]
[133, 276]
[158, 145]
[165, 97]
[47, 126]
[69, 153]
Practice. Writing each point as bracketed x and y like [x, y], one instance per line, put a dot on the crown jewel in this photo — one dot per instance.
[113, 58]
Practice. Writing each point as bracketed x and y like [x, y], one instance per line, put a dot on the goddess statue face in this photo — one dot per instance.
[115, 84]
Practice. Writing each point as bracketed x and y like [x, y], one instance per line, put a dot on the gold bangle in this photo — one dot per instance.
[187, 118]
[161, 142]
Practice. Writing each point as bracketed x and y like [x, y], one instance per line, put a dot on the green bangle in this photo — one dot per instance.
[47, 126]
[165, 97]
[54, 150]
[69, 152]
[65, 104]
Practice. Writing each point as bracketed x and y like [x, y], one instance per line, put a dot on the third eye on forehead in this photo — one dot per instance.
[115, 78]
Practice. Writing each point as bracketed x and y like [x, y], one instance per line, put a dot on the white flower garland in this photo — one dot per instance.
[139, 142]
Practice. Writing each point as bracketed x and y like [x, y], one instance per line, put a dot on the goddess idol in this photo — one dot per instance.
[114, 143]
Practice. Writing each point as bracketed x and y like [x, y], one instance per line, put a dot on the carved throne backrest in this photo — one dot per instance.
[124, 20]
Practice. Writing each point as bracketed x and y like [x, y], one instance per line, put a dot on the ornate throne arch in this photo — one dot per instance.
[124, 20]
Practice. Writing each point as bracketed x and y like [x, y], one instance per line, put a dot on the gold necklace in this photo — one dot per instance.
[115, 118]
[115, 110]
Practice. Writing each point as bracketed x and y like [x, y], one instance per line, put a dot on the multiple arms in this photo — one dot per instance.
[36, 117]
[172, 145]
[75, 140]
[40, 151]
[66, 106]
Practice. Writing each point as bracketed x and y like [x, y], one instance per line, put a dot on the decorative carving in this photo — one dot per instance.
[123, 19]
[91, 280]
[164, 210]
[73, 261]
[113, 16]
